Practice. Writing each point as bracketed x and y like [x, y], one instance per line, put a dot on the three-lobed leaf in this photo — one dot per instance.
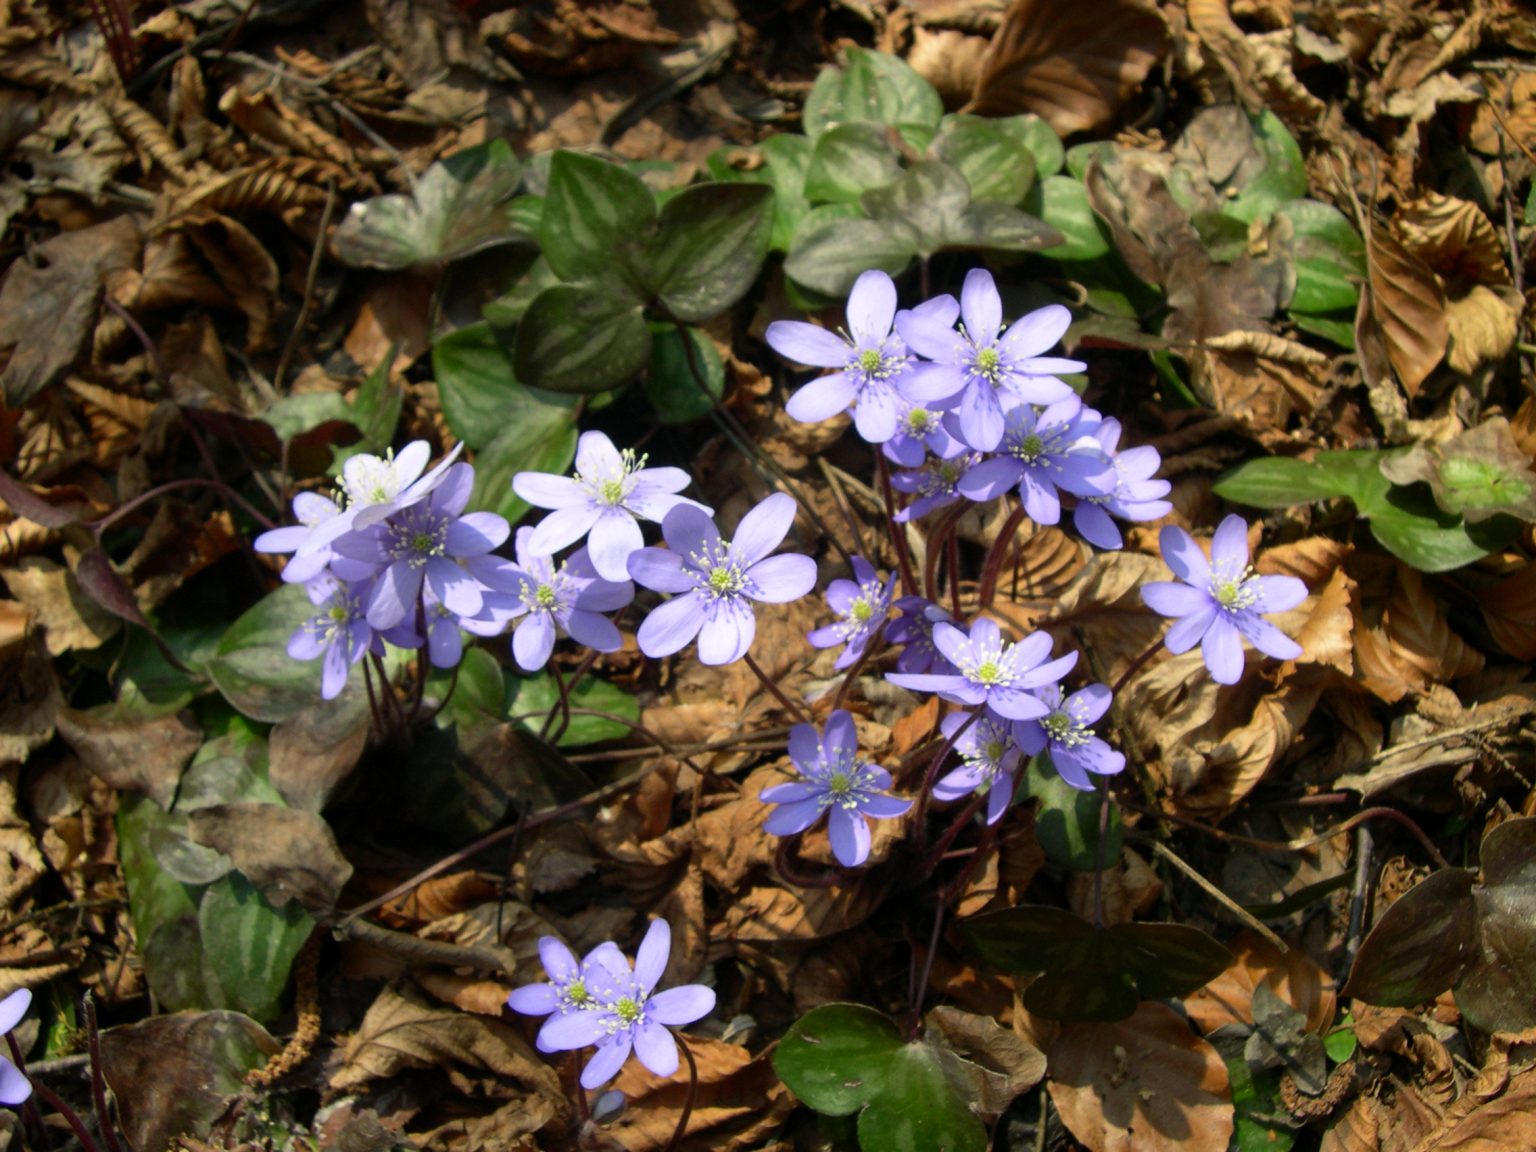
[874, 87]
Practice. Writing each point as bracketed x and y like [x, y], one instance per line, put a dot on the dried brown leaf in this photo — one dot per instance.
[1146, 1084]
[1454, 238]
[1509, 610]
[71, 620]
[1072, 64]
[740, 1101]
[1407, 305]
[1007, 1064]
[1292, 975]
[288, 854]
[1481, 326]
[130, 750]
[29, 699]
[1413, 644]
[313, 752]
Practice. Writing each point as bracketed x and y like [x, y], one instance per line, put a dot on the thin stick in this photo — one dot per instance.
[992, 567]
[310, 279]
[896, 531]
[778, 693]
[1219, 896]
[922, 981]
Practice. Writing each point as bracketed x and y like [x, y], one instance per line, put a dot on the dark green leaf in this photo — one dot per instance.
[1336, 327]
[1412, 528]
[164, 910]
[1330, 257]
[1001, 226]
[709, 248]
[291, 416]
[249, 946]
[477, 388]
[670, 385]
[535, 437]
[534, 697]
[595, 213]
[376, 409]
[1282, 178]
[848, 161]
[1062, 203]
[1169, 960]
[575, 338]
[252, 667]
[479, 691]
[784, 161]
[920, 1110]
[1498, 991]
[1027, 937]
[870, 86]
[829, 254]
[995, 165]
[929, 200]
[459, 205]
[1067, 821]
[836, 1057]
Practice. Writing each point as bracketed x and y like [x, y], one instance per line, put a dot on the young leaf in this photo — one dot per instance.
[594, 213]
[709, 247]
[252, 667]
[1062, 203]
[1477, 474]
[848, 161]
[871, 86]
[993, 163]
[1067, 822]
[670, 385]
[576, 338]
[459, 206]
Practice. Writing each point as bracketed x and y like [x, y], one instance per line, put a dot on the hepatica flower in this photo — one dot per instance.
[862, 605]
[624, 1013]
[339, 631]
[1041, 452]
[716, 581]
[913, 630]
[1066, 730]
[604, 501]
[982, 357]
[936, 484]
[15, 1088]
[989, 671]
[989, 761]
[851, 791]
[569, 987]
[1220, 603]
[1137, 494]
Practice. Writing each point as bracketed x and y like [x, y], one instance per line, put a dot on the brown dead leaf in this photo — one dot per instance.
[313, 752]
[130, 750]
[1105, 603]
[1509, 610]
[1293, 976]
[740, 1101]
[1454, 238]
[1412, 646]
[1225, 41]
[1129, 889]
[466, 993]
[29, 699]
[1145, 1084]
[1481, 327]
[1407, 306]
[1007, 1064]
[1506, 1123]
[288, 854]
[1072, 64]
[71, 620]
[777, 914]
[1514, 125]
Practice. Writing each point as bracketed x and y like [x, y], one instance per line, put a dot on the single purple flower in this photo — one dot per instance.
[568, 989]
[982, 357]
[15, 1088]
[313, 512]
[919, 433]
[610, 493]
[445, 647]
[419, 544]
[1137, 495]
[1219, 603]
[936, 484]
[989, 761]
[339, 631]
[862, 605]
[990, 672]
[716, 580]
[566, 599]
[1066, 731]
[871, 358]
[629, 1015]
[913, 630]
[850, 790]
[1041, 452]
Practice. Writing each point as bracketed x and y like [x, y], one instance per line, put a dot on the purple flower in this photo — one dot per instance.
[990, 672]
[1042, 451]
[15, 1088]
[339, 631]
[628, 1014]
[1075, 750]
[989, 761]
[718, 579]
[1137, 496]
[919, 432]
[569, 987]
[567, 599]
[861, 605]
[936, 484]
[419, 543]
[913, 629]
[871, 357]
[1219, 603]
[313, 512]
[851, 790]
[981, 358]
[609, 494]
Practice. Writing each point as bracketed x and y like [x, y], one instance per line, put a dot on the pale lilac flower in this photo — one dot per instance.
[1137, 495]
[604, 501]
[871, 358]
[936, 484]
[419, 544]
[990, 672]
[339, 631]
[717, 580]
[920, 432]
[1041, 452]
[913, 630]
[1066, 731]
[569, 986]
[15, 1088]
[983, 357]
[861, 605]
[629, 1015]
[1219, 602]
[989, 759]
[850, 790]
[445, 647]
[551, 600]
[312, 511]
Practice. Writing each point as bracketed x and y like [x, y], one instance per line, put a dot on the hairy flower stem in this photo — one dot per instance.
[852, 674]
[98, 1081]
[1098, 854]
[578, 1093]
[52, 1099]
[942, 531]
[921, 988]
[942, 844]
[786, 862]
[794, 709]
[952, 552]
[562, 708]
[896, 533]
[924, 794]
[1136, 666]
[992, 567]
[688, 1101]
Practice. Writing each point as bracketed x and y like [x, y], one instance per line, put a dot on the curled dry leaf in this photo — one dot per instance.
[1454, 238]
[70, 619]
[1292, 975]
[1411, 645]
[1481, 327]
[1146, 1083]
[1509, 610]
[1072, 64]
[740, 1101]
[288, 854]
[1001, 1064]
[1406, 305]
[29, 698]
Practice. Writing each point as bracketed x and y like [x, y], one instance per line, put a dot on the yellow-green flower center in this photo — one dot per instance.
[839, 784]
[545, 596]
[861, 611]
[338, 613]
[722, 579]
[1233, 595]
[988, 672]
[611, 492]
[576, 992]
[870, 361]
[627, 1009]
[988, 360]
[1029, 448]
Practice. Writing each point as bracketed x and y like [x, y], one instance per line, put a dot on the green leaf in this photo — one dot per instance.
[376, 409]
[1003, 227]
[785, 160]
[291, 416]
[994, 164]
[163, 909]
[595, 213]
[1412, 528]
[670, 385]
[1067, 821]
[1329, 256]
[1337, 327]
[1062, 203]
[252, 667]
[459, 206]
[929, 200]
[576, 338]
[1037, 138]
[535, 436]
[709, 247]
[532, 697]
[479, 691]
[848, 161]
[248, 945]
[477, 387]
[1278, 482]
[831, 251]
[921, 1110]
[872, 86]
[1282, 178]
[1341, 1041]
